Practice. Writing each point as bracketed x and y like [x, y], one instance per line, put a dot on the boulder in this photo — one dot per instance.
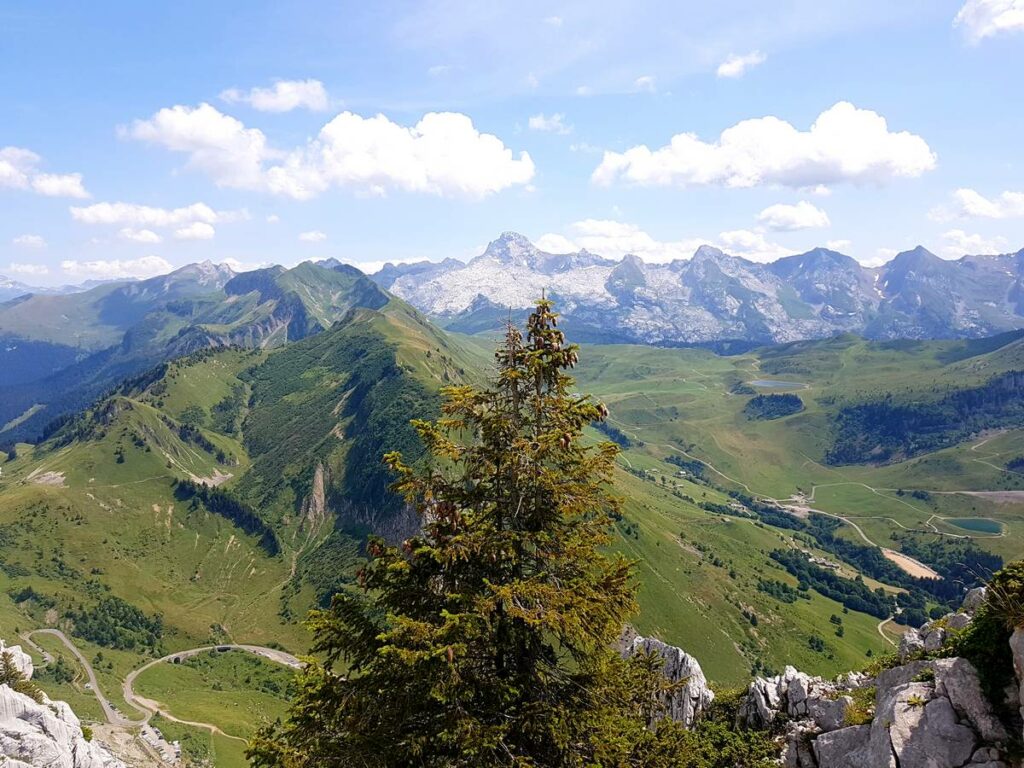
[798, 751]
[957, 620]
[829, 714]
[852, 748]
[692, 696]
[891, 678]
[910, 643]
[957, 680]
[934, 636]
[922, 728]
[973, 600]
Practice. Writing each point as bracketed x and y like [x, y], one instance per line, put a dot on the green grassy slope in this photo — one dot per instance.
[669, 402]
[95, 338]
[94, 514]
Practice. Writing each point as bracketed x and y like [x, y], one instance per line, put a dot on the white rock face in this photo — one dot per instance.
[927, 713]
[714, 296]
[44, 734]
[797, 696]
[685, 703]
[22, 661]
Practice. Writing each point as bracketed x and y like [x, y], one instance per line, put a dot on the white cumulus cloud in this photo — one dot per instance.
[283, 96]
[217, 144]
[614, 239]
[315, 236]
[132, 214]
[30, 241]
[139, 235]
[443, 154]
[737, 65]
[19, 169]
[957, 242]
[845, 144]
[147, 266]
[969, 203]
[645, 83]
[751, 245]
[30, 270]
[555, 243]
[788, 218]
[553, 124]
[197, 230]
[15, 166]
[987, 18]
[60, 185]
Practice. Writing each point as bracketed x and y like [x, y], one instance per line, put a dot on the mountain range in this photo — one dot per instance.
[59, 352]
[60, 349]
[12, 289]
[714, 297]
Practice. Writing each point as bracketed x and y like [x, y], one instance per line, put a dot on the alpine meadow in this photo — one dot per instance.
[512, 385]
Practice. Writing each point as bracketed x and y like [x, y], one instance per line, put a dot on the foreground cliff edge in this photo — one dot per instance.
[35, 731]
[950, 698]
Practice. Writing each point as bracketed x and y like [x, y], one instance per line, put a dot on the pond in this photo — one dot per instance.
[976, 524]
[777, 384]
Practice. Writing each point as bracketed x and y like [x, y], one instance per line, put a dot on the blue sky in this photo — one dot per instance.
[139, 136]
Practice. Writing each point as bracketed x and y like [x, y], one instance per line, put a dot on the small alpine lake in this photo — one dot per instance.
[976, 524]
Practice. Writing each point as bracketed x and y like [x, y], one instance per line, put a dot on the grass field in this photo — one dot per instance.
[689, 401]
[235, 691]
[674, 400]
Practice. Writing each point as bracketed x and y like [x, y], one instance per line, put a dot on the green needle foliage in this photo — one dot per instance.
[488, 639]
[14, 678]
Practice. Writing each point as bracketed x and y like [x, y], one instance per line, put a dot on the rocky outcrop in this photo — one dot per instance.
[932, 636]
[925, 713]
[314, 506]
[21, 660]
[45, 733]
[689, 694]
[794, 695]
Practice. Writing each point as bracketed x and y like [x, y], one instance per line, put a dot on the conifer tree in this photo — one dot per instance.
[488, 639]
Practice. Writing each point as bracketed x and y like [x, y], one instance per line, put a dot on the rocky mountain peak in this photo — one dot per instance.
[512, 248]
[709, 253]
[204, 273]
[715, 296]
[915, 257]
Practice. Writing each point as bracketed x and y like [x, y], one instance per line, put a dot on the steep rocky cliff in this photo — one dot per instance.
[42, 732]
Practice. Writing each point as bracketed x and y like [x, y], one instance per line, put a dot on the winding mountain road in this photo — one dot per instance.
[109, 711]
[147, 707]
